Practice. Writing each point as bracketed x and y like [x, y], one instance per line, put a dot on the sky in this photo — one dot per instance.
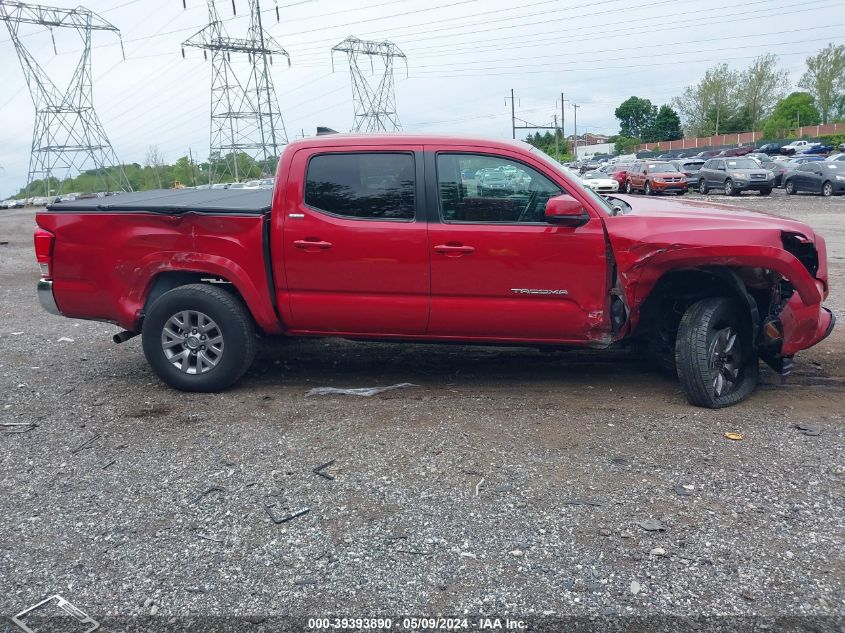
[463, 59]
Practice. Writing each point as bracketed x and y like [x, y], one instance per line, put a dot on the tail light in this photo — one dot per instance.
[44, 252]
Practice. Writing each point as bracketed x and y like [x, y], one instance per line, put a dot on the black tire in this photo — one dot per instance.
[230, 316]
[827, 189]
[702, 187]
[790, 188]
[730, 188]
[765, 192]
[705, 326]
[647, 188]
[628, 187]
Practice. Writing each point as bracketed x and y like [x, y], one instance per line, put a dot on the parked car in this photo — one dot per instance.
[620, 172]
[825, 177]
[236, 185]
[267, 183]
[600, 182]
[836, 157]
[221, 185]
[842, 147]
[735, 175]
[777, 168]
[689, 167]
[794, 146]
[468, 174]
[770, 148]
[737, 151]
[493, 182]
[706, 291]
[252, 184]
[707, 153]
[759, 157]
[800, 160]
[815, 149]
[653, 177]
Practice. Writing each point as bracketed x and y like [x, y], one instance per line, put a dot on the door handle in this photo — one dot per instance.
[454, 249]
[312, 244]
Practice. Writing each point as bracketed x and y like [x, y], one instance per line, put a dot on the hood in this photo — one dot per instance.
[689, 223]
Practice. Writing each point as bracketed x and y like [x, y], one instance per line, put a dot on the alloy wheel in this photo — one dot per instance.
[725, 361]
[192, 342]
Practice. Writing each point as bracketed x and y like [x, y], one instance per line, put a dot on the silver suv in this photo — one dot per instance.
[735, 175]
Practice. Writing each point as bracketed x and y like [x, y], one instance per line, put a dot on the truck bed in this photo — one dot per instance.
[176, 201]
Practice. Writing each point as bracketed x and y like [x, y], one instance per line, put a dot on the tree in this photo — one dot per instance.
[797, 109]
[667, 125]
[155, 161]
[626, 145]
[636, 117]
[705, 106]
[760, 86]
[825, 78]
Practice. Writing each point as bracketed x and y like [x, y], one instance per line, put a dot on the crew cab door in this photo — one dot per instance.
[499, 270]
[355, 248]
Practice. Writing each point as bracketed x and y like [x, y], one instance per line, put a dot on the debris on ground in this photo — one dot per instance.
[652, 525]
[733, 435]
[278, 520]
[319, 470]
[478, 486]
[208, 491]
[635, 587]
[362, 391]
[65, 339]
[810, 430]
[86, 444]
[581, 502]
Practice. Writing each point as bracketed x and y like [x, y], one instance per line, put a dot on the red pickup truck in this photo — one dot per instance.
[390, 237]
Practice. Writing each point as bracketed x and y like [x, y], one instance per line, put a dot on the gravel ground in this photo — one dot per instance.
[505, 481]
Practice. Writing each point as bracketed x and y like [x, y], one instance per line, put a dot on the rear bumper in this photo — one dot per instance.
[45, 296]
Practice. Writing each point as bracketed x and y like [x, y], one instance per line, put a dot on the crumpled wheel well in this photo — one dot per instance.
[661, 312]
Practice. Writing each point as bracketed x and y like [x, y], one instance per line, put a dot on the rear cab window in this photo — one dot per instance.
[362, 185]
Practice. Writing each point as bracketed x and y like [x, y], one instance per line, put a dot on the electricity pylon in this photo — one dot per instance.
[68, 136]
[245, 115]
[374, 104]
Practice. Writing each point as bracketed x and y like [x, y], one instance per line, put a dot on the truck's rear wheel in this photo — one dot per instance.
[198, 338]
[714, 356]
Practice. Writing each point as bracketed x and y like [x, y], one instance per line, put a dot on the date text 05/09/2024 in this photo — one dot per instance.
[417, 624]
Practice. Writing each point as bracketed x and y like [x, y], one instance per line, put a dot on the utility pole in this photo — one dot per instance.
[68, 136]
[374, 106]
[513, 114]
[575, 107]
[193, 167]
[557, 146]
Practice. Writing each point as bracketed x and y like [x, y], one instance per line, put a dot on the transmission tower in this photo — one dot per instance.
[374, 104]
[68, 136]
[245, 116]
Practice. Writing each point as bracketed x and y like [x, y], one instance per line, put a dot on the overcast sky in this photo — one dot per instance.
[463, 57]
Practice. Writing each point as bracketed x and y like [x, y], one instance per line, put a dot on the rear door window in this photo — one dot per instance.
[362, 185]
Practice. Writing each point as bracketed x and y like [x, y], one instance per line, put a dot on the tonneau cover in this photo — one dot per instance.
[176, 201]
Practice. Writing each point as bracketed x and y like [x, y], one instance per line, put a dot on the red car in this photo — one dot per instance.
[656, 176]
[737, 151]
[619, 173]
[378, 237]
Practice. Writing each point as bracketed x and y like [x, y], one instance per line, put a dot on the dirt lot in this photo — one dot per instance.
[506, 481]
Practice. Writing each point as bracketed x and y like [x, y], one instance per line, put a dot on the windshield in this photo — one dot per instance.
[742, 163]
[594, 174]
[692, 166]
[660, 167]
[551, 162]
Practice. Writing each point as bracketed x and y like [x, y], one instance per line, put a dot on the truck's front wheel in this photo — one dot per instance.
[716, 361]
[198, 338]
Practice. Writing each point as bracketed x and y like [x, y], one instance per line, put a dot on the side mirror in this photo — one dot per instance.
[565, 210]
